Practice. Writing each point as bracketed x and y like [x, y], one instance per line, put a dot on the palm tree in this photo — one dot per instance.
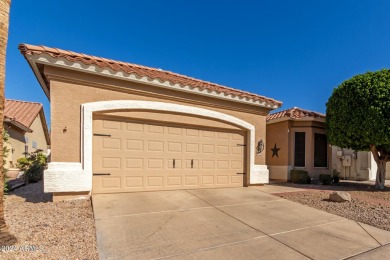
[4, 22]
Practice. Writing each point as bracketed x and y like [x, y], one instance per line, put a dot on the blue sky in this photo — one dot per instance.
[295, 51]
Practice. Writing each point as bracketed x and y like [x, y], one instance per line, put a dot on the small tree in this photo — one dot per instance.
[33, 165]
[358, 117]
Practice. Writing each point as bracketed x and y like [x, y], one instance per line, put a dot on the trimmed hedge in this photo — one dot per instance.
[300, 176]
[326, 179]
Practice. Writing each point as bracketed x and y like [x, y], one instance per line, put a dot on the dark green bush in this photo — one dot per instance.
[326, 179]
[300, 176]
[33, 165]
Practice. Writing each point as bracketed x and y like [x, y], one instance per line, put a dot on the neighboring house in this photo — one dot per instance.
[296, 140]
[122, 127]
[26, 125]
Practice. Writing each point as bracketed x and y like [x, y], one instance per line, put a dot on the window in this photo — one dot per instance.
[299, 152]
[320, 150]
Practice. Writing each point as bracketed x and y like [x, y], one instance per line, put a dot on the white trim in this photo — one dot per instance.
[93, 69]
[89, 108]
[62, 177]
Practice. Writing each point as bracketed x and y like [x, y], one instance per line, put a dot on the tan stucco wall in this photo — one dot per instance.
[17, 141]
[278, 134]
[68, 90]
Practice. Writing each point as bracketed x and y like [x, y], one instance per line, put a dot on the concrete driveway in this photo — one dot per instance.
[228, 223]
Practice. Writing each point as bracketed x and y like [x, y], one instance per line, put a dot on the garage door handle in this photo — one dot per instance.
[192, 163]
[174, 163]
[101, 174]
[241, 173]
[102, 135]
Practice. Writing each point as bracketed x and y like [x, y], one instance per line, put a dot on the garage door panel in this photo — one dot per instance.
[174, 181]
[140, 157]
[134, 182]
[222, 164]
[134, 163]
[135, 145]
[237, 150]
[155, 146]
[109, 183]
[223, 136]
[222, 180]
[191, 180]
[111, 143]
[134, 127]
[110, 163]
[236, 179]
[208, 134]
[207, 164]
[155, 181]
[155, 164]
[174, 147]
[155, 129]
[222, 149]
[192, 132]
[178, 164]
[112, 125]
[207, 180]
[175, 131]
[191, 164]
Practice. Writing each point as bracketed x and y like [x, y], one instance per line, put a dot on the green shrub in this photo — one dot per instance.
[326, 179]
[300, 176]
[33, 165]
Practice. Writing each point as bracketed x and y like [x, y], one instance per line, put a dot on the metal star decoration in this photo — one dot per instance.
[275, 151]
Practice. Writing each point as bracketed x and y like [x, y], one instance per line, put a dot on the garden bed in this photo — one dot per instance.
[368, 205]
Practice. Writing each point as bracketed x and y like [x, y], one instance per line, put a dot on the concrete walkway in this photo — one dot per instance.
[228, 223]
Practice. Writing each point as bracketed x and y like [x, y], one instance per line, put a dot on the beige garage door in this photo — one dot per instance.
[142, 156]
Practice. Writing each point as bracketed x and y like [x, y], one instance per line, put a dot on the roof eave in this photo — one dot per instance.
[44, 125]
[282, 119]
[17, 124]
[37, 73]
[46, 59]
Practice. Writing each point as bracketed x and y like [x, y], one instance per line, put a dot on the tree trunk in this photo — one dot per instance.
[4, 22]
[381, 160]
[380, 175]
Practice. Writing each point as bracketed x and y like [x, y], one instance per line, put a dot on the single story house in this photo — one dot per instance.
[296, 140]
[26, 125]
[122, 127]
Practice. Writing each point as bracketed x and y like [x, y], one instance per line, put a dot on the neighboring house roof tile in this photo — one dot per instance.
[22, 112]
[294, 113]
[142, 71]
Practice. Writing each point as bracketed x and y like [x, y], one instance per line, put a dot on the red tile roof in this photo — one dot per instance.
[139, 70]
[294, 113]
[22, 112]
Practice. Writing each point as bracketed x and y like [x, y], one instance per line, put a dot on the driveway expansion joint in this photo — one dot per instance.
[251, 226]
[369, 233]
